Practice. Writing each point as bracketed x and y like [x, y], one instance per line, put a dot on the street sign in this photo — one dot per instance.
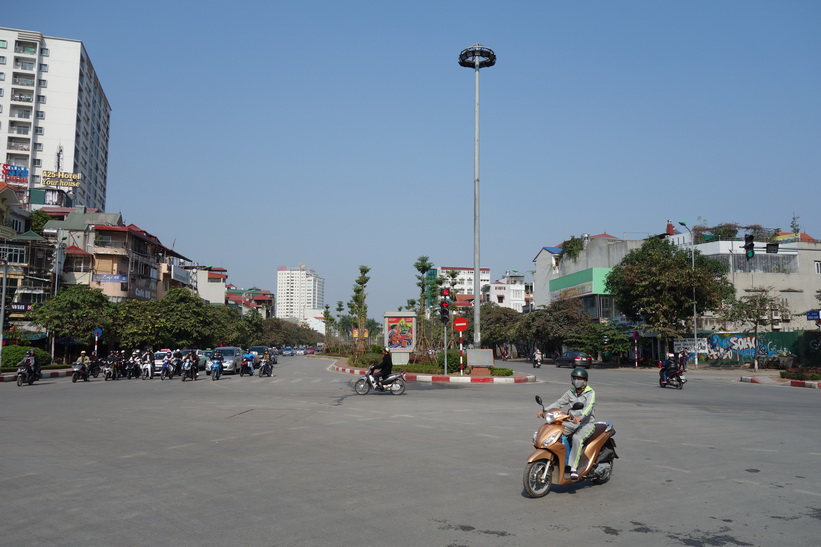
[813, 315]
[635, 335]
[98, 333]
[460, 324]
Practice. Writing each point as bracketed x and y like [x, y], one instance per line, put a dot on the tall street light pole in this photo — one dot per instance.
[693, 261]
[476, 56]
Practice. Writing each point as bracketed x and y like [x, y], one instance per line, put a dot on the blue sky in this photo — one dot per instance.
[251, 135]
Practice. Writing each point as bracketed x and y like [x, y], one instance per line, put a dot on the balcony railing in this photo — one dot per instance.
[24, 66]
[19, 130]
[19, 146]
[21, 114]
[26, 50]
[23, 98]
[28, 82]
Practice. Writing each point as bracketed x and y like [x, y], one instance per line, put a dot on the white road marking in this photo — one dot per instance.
[759, 449]
[807, 492]
[698, 445]
[180, 446]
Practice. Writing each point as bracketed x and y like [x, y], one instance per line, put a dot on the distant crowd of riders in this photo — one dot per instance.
[183, 363]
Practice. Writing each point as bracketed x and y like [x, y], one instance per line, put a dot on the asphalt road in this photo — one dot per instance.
[299, 459]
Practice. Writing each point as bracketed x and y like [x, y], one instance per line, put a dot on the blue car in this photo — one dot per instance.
[288, 351]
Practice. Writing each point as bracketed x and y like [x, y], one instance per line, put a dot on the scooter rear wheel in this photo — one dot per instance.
[605, 478]
[537, 478]
[362, 387]
[679, 383]
[398, 386]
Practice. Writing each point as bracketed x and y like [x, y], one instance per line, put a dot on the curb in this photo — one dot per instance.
[792, 383]
[434, 379]
[802, 383]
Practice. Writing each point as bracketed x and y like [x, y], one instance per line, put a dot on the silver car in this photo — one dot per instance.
[231, 359]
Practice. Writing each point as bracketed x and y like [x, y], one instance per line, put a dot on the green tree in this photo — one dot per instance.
[136, 324]
[422, 265]
[596, 338]
[184, 320]
[38, 220]
[358, 308]
[497, 325]
[75, 312]
[656, 284]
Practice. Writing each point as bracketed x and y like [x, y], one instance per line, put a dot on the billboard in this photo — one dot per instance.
[400, 332]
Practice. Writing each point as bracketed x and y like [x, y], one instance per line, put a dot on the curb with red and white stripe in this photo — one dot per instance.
[432, 378]
[792, 383]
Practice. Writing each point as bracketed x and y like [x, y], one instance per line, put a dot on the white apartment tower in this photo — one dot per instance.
[54, 122]
[300, 292]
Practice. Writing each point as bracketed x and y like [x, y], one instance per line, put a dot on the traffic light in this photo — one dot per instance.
[444, 305]
[749, 246]
[6, 317]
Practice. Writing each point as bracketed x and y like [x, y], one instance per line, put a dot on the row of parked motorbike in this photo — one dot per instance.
[134, 368]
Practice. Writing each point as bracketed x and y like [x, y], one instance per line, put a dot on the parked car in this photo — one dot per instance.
[309, 351]
[231, 359]
[288, 351]
[299, 351]
[574, 359]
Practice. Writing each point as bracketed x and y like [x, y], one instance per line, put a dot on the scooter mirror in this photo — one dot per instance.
[578, 406]
[538, 399]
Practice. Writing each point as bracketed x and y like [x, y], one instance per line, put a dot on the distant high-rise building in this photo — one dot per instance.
[54, 118]
[300, 292]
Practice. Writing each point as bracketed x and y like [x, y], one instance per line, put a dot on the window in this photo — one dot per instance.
[39, 131]
[2, 60]
[43, 67]
[38, 146]
[44, 51]
[2, 76]
[41, 99]
[817, 267]
[4, 44]
[37, 163]
[41, 115]
[42, 83]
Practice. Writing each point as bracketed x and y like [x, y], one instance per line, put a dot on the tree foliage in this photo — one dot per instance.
[656, 284]
[74, 313]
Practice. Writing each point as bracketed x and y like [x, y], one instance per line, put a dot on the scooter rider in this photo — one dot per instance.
[30, 362]
[148, 358]
[217, 358]
[250, 358]
[581, 426]
[384, 368]
[195, 362]
[669, 366]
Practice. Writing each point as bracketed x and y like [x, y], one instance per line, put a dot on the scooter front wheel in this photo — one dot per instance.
[75, 377]
[20, 379]
[537, 478]
[398, 386]
[362, 387]
[661, 382]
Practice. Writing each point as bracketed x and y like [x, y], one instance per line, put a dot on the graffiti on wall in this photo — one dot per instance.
[740, 347]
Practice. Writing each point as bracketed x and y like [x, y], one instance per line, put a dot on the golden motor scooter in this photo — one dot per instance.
[548, 464]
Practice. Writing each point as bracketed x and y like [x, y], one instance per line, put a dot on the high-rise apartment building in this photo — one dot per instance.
[54, 122]
[300, 292]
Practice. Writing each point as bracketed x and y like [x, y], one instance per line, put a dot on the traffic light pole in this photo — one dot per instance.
[445, 337]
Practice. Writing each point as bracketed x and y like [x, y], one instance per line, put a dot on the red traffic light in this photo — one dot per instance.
[445, 293]
[444, 304]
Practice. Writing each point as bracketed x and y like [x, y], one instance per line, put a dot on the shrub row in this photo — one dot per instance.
[812, 374]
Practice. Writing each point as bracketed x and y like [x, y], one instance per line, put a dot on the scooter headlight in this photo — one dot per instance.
[550, 440]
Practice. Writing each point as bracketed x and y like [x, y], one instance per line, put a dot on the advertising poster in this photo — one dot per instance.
[400, 332]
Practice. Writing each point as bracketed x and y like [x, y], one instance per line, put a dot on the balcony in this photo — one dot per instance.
[28, 82]
[20, 98]
[24, 65]
[21, 114]
[26, 50]
[23, 147]
[19, 130]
